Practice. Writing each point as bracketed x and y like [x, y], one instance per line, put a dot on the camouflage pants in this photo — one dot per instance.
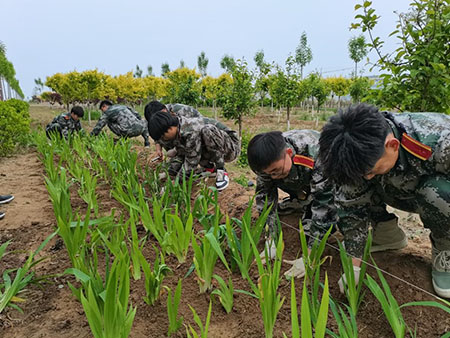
[431, 201]
[218, 147]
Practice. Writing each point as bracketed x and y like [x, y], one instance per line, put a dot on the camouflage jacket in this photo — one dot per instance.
[397, 187]
[181, 110]
[188, 141]
[309, 185]
[66, 124]
[123, 121]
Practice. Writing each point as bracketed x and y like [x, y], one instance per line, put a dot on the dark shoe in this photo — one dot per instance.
[2, 214]
[6, 198]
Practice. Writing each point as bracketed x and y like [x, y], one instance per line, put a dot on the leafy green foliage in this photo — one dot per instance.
[303, 53]
[357, 50]
[203, 328]
[237, 99]
[359, 89]
[153, 277]
[14, 124]
[415, 76]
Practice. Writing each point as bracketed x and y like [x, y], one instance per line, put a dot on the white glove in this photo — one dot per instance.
[172, 152]
[343, 280]
[271, 250]
[162, 176]
[297, 270]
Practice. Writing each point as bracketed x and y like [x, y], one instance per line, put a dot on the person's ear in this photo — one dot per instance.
[289, 152]
[392, 144]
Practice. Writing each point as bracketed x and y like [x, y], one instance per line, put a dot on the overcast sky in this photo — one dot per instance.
[47, 36]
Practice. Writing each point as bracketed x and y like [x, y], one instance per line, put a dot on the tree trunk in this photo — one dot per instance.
[214, 109]
[339, 102]
[1, 89]
[288, 113]
[240, 126]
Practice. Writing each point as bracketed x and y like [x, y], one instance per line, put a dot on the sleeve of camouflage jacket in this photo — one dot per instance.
[100, 125]
[442, 153]
[266, 189]
[64, 124]
[353, 203]
[193, 152]
[323, 209]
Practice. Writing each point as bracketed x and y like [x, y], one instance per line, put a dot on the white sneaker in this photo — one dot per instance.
[222, 179]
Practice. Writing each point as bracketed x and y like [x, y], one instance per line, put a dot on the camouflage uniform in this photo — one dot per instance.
[63, 124]
[202, 141]
[415, 185]
[183, 110]
[180, 110]
[123, 121]
[307, 185]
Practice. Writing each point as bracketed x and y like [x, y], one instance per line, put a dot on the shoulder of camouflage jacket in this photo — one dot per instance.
[304, 142]
[424, 133]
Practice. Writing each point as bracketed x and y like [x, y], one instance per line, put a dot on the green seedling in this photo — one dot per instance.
[203, 328]
[173, 303]
[225, 293]
[153, 277]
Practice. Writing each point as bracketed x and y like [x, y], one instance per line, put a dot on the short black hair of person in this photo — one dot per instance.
[151, 108]
[159, 123]
[105, 103]
[351, 142]
[264, 149]
[77, 110]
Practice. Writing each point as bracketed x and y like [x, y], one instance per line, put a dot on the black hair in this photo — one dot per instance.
[264, 149]
[351, 142]
[105, 103]
[159, 123]
[151, 108]
[77, 110]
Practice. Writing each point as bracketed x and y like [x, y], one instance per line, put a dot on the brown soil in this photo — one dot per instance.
[52, 311]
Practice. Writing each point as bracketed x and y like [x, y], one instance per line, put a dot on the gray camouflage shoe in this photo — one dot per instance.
[388, 236]
[440, 273]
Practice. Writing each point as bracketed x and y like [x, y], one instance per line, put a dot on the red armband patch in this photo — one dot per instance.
[416, 148]
[304, 161]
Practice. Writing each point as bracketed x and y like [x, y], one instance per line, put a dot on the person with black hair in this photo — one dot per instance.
[401, 160]
[198, 141]
[66, 123]
[286, 161]
[122, 121]
[176, 109]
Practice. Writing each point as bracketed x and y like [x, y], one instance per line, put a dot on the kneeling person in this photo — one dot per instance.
[197, 141]
[66, 123]
[285, 161]
[122, 120]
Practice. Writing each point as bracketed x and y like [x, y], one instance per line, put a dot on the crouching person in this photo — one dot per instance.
[66, 123]
[402, 160]
[286, 161]
[122, 121]
[197, 141]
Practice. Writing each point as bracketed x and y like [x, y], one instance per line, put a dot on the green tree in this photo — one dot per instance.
[339, 86]
[238, 98]
[138, 72]
[202, 63]
[165, 69]
[39, 86]
[149, 70]
[8, 73]
[285, 88]
[359, 88]
[317, 88]
[184, 86]
[227, 63]
[357, 50]
[262, 83]
[416, 76]
[303, 53]
[182, 64]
